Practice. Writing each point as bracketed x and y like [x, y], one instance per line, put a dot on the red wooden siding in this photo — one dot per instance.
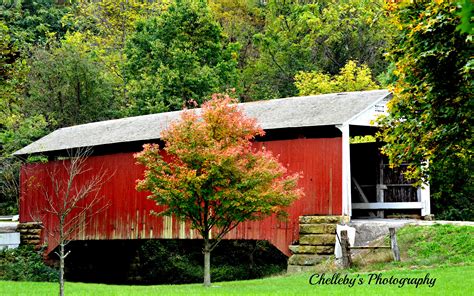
[128, 216]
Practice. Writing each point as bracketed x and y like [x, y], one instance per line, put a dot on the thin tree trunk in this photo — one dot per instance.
[61, 256]
[207, 263]
[61, 269]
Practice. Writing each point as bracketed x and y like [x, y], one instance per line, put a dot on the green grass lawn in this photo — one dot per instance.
[450, 280]
[443, 251]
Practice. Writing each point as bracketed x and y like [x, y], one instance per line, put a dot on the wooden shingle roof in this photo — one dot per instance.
[308, 111]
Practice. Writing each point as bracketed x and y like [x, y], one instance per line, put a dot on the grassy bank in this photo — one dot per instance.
[423, 246]
[454, 280]
[436, 245]
[442, 251]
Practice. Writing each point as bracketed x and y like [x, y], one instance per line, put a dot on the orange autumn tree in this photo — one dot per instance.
[214, 177]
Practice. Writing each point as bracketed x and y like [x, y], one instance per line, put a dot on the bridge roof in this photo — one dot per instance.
[307, 111]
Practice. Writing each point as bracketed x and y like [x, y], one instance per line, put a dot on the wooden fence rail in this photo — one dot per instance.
[346, 248]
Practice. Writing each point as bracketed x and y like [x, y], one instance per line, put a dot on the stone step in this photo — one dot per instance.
[319, 219]
[318, 239]
[299, 268]
[302, 249]
[318, 228]
[29, 236]
[306, 260]
[29, 225]
[30, 241]
[30, 231]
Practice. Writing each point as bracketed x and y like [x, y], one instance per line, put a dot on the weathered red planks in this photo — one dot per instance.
[320, 161]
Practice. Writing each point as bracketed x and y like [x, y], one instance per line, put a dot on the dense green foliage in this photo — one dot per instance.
[24, 26]
[315, 36]
[25, 264]
[350, 78]
[66, 87]
[430, 124]
[178, 57]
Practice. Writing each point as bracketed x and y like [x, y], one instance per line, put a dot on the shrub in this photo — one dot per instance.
[25, 264]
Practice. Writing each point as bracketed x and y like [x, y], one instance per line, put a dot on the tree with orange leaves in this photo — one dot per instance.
[214, 177]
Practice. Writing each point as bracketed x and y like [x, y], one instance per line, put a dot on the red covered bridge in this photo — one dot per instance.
[311, 134]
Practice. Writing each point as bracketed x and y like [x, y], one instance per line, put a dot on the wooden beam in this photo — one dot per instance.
[389, 185]
[394, 244]
[362, 195]
[380, 188]
[387, 205]
[346, 251]
[370, 247]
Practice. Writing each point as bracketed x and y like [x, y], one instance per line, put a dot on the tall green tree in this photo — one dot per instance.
[431, 118]
[103, 28]
[350, 78]
[66, 86]
[179, 56]
[240, 21]
[315, 36]
[215, 179]
[23, 26]
[34, 22]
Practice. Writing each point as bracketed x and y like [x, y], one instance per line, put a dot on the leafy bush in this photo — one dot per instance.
[25, 264]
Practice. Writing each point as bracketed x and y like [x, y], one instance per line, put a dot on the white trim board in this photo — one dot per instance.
[368, 116]
[387, 205]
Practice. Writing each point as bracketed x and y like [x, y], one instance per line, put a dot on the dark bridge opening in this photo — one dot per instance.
[377, 189]
[169, 261]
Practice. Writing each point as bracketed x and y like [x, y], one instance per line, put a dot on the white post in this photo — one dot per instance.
[425, 195]
[346, 171]
[425, 200]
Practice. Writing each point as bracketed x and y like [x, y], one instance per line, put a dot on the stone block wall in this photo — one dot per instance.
[316, 243]
[30, 233]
